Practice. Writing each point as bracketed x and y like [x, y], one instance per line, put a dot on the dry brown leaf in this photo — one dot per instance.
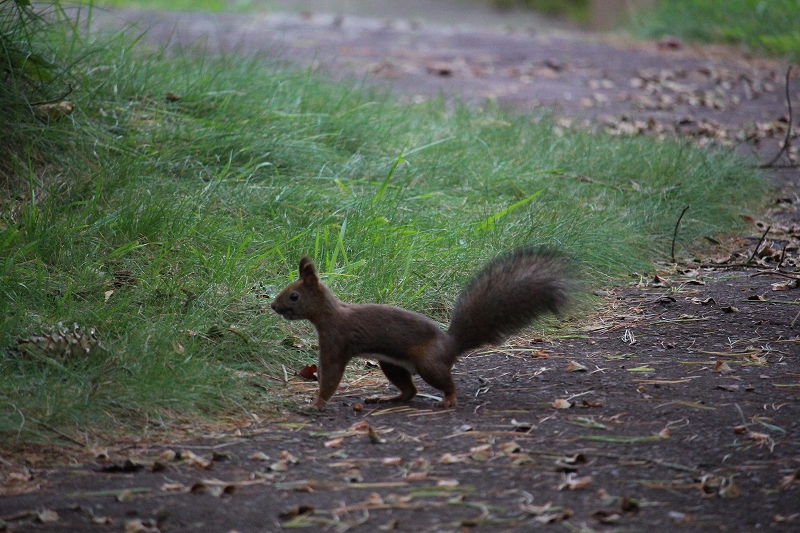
[392, 461]
[787, 481]
[353, 476]
[334, 443]
[481, 453]
[606, 517]
[174, 487]
[279, 466]
[137, 526]
[288, 457]
[572, 482]
[450, 458]
[363, 425]
[574, 366]
[195, 460]
[722, 367]
[259, 456]
[561, 404]
[309, 372]
[46, 516]
[509, 447]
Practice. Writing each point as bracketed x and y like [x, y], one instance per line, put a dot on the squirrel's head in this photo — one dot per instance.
[305, 298]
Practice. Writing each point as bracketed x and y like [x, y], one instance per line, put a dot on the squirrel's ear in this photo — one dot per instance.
[307, 271]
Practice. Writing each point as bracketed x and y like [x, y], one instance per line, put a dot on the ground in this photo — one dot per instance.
[674, 407]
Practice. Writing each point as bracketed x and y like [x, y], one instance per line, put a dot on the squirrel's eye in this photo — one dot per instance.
[294, 296]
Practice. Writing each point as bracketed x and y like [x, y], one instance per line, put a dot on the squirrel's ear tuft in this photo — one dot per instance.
[307, 271]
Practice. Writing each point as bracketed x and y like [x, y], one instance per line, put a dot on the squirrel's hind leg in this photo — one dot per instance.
[400, 378]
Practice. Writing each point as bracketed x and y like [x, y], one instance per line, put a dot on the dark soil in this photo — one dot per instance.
[685, 387]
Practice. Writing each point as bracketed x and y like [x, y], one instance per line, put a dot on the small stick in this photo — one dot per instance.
[760, 242]
[783, 255]
[54, 100]
[675, 233]
[795, 319]
[787, 139]
[775, 273]
[62, 435]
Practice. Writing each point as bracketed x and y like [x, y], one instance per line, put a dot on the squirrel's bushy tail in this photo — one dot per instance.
[507, 294]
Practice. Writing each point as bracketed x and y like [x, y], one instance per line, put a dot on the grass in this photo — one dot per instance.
[166, 223]
[764, 26]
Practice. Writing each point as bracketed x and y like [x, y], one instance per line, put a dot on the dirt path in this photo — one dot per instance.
[684, 391]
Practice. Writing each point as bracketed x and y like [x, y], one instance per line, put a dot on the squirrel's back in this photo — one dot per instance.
[507, 294]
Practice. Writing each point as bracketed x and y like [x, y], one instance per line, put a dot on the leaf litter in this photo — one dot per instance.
[715, 415]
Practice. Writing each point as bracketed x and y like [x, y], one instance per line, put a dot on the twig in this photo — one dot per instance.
[62, 435]
[788, 138]
[54, 100]
[783, 302]
[795, 319]
[760, 242]
[783, 254]
[675, 233]
[780, 273]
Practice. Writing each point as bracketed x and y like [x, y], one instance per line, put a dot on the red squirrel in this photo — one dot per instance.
[501, 299]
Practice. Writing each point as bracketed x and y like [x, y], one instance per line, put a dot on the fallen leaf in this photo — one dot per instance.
[522, 427]
[279, 466]
[392, 461]
[571, 482]
[195, 460]
[449, 458]
[574, 366]
[360, 426]
[509, 447]
[137, 526]
[787, 481]
[334, 443]
[784, 285]
[259, 456]
[46, 516]
[374, 499]
[561, 404]
[288, 457]
[481, 453]
[309, 372]
[168, 455]
[353, 476]
[722, 367]
[606, 517]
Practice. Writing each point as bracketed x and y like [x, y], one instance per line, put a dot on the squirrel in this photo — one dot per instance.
[501, 299]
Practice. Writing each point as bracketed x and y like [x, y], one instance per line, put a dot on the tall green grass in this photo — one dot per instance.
[765, 26]
[180, 194]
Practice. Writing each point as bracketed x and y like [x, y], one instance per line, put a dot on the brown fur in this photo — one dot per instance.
[500, 300]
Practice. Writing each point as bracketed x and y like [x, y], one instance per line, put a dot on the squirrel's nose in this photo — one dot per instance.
[274, 306]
